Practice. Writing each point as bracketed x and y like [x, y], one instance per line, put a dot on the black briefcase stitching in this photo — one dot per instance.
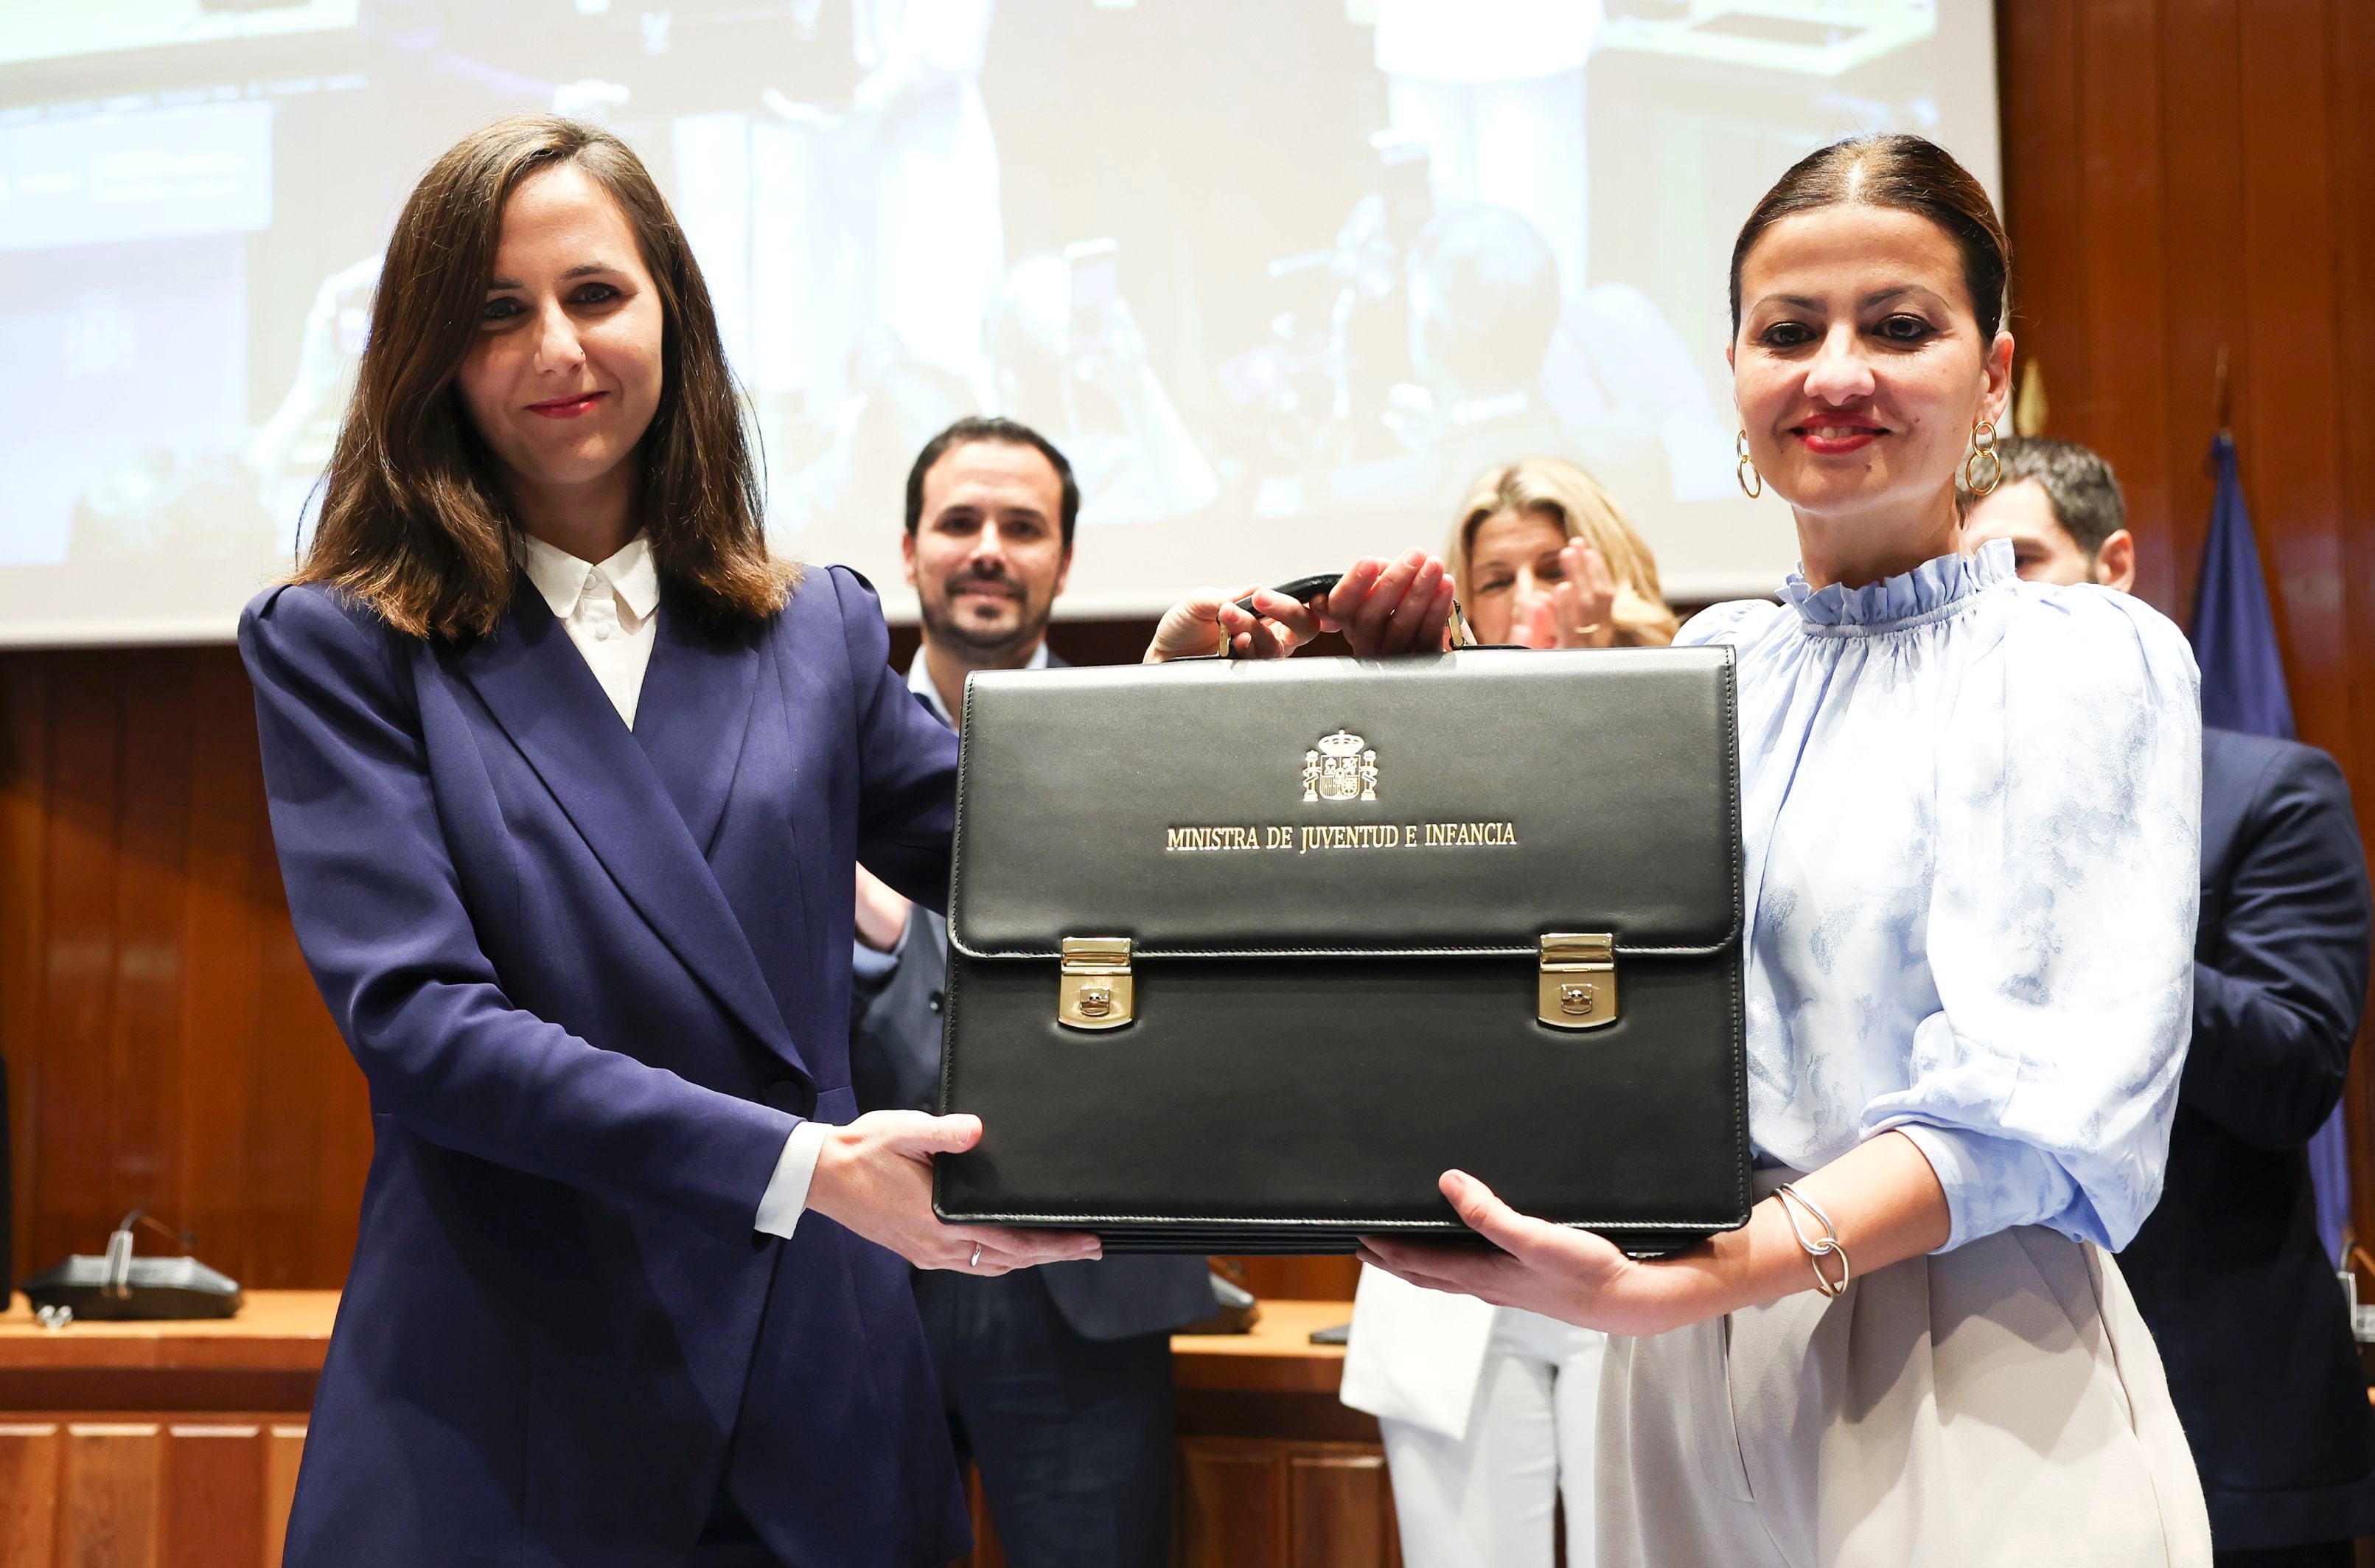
[1287, 963]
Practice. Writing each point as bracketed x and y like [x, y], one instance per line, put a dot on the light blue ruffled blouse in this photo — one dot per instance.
[1971, 814]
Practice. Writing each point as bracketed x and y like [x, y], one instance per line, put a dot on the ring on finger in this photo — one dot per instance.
[974, 1261]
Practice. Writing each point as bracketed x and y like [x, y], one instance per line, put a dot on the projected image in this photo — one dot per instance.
[1280, 277]
[110, 27]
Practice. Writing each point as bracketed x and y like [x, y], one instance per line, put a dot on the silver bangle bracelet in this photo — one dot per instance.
[1828, 1245]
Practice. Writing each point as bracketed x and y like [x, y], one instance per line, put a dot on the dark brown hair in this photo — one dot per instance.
[1907, 173]
[1002, 432]
[2078, 484]
[415, 522]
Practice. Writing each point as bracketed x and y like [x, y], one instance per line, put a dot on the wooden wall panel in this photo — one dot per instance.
[1341, 1511]
[145, 1493]
[165, 1044]
[2291, 412]
[2187, 178]
[2201, 223]
[284, 1447]
[2119, 78]
[1232, 1508]
[77, 1121]
[2350, 59]
[30, 1459]
[214, 1497]
[110, 1494]
[1265, 1503]
[1298, 1279]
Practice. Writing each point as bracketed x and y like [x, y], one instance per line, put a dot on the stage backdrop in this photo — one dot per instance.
[1280, 275]
[2180, 174]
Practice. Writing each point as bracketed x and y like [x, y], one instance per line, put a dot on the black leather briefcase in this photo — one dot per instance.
[1243, 955]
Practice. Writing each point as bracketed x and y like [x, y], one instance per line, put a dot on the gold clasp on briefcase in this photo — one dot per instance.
[1094, 987]
[1579, 980]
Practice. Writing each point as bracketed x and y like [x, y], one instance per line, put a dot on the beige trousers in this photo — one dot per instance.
[2002, 1403]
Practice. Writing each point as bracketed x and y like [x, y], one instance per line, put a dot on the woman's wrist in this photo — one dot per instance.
[1757, 1264]
[1881, 1202]
[1708, 1280]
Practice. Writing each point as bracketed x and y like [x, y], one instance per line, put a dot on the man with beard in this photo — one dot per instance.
[1056, 1380]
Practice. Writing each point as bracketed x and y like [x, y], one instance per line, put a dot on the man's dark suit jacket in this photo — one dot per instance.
[2229, 1270]
[894, 1058]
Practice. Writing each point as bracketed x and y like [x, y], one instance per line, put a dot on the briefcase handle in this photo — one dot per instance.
[1304, 589]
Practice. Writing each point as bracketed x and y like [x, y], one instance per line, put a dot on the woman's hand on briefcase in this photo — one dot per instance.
[1881, 1197]
[875, 1177]
[1570, 1275]
[1381, 606]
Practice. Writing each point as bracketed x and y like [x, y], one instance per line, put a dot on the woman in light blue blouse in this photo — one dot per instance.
[1970, 810]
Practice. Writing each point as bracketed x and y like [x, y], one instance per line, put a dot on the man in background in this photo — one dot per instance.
[1056, 1380]
[2228, 1272]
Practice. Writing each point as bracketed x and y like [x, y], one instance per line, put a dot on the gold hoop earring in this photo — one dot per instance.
[1752, 483]
[1983, 444]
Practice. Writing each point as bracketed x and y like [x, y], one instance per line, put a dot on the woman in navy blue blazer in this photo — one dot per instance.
[568, 776]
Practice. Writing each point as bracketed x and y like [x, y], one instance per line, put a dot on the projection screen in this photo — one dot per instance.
[1280, 277]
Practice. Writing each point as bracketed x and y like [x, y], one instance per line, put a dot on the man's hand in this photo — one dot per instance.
[1208, 622]
[1381, 606]
[1397, 606]
[875, 1177]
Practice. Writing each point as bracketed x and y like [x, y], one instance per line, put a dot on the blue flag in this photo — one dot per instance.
[2234, 631]
[2243, 688]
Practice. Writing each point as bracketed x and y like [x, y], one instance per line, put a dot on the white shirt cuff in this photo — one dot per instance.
[786, 1198]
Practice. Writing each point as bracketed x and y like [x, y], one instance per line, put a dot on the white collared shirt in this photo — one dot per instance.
[611, 613]
[919, 681]
[870, 963]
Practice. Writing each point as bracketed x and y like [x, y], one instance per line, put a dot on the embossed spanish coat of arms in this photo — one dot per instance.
[1341, 767]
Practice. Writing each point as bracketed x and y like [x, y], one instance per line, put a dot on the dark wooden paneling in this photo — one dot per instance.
[2119, 84]
[1258, 1503]
[2185, 178]
[166, 1046]
[114, 1493]
[29, 1492]
[2290, 407]
[1232, 1504]
[110, 1494]
[1340, 1510]
[214, 1497]
[2350, 76]
[2201, 225]
[1299, 1278]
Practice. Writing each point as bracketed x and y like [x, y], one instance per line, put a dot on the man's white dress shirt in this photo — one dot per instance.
[611, 613]
[871, 963]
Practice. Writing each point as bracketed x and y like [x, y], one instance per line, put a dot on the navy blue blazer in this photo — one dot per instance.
[594, 978]
[2229, 1270]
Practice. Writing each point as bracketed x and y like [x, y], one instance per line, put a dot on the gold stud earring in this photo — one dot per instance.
[1752, 483]
[1983, 445]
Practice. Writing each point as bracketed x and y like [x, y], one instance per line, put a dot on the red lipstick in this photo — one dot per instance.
[568, 407]
[1831, 435]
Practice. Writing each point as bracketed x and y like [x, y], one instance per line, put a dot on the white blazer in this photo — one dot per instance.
[1415, 1355]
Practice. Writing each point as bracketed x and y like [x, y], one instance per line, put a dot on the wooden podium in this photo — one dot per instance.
[175, 1445]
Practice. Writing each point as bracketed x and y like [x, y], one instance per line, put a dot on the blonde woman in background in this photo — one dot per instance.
[1543, 557]
[1488, 1411]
